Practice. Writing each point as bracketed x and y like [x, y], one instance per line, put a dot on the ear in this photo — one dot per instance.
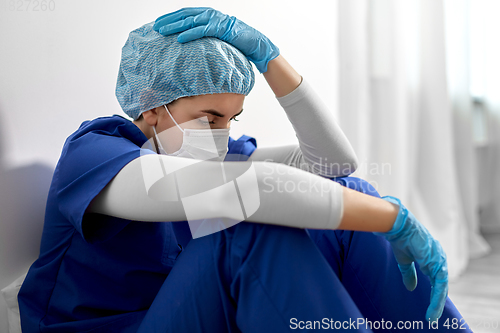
[151, 116]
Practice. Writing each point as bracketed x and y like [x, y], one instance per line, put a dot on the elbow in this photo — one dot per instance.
[341, 165]
[351, 163]
[346, 166]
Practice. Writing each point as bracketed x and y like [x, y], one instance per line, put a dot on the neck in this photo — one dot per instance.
[148, 132]
[145, 128]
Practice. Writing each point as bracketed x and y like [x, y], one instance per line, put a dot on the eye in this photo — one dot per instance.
[205, 122]
[236, 115]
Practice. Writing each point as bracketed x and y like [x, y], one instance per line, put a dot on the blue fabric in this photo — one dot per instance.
[241, 149]
[224, 282]
[96, 273]
[357, 184]
[256, 278]
[94, 270]
[156, 70]
[101, 274]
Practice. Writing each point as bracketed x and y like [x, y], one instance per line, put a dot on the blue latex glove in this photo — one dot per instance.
[201, 22]
[411, 242]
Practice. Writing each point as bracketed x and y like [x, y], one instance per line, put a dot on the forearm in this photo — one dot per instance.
[366, 213]
[286, 196]
[281, 76]
[360, 212]
[324, 148]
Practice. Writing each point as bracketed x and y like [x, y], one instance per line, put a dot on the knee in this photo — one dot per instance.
[254, 242]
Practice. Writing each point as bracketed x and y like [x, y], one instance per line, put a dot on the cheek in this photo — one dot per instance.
[174, 142]
[170, 137]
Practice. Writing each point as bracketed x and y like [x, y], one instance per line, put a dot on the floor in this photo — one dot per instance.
[477, 292]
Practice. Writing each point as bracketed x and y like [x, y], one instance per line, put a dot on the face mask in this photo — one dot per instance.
[202, 144]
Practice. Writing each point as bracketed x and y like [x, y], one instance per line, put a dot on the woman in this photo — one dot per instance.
[298, 260]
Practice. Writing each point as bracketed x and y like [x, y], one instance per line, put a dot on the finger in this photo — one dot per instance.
[192, 34]
[178, 15]
[176, 27]
[409, 276]
[188, 23]
[162, 20]
[439, 293]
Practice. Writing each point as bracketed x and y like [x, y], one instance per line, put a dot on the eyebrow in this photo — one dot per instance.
[218, 114]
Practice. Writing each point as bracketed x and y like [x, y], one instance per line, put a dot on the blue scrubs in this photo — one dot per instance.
[97, 273]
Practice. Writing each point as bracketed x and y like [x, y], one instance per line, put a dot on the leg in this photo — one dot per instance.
[250, 278]
[366, 267]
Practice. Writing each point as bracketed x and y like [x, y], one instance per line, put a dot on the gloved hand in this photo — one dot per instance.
[411, 242]
[198, 22]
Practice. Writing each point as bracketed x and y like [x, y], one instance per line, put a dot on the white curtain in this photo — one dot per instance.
[458, 45]
[396, 109]
[487, 86]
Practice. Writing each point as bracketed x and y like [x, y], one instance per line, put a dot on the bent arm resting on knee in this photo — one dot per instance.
[287, 196]
[324, 148]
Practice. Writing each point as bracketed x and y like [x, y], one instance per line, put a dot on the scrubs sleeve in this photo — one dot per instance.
[241, 149]
[87, 165]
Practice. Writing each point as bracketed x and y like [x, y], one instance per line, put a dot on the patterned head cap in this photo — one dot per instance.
[156, 70]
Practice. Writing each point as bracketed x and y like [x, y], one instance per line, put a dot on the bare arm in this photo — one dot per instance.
[192, 189]
[287, 196]
[281, 76]
[313, 202]
[323, 147]
[363, 212]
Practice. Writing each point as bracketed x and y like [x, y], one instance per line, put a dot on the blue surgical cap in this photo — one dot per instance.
[156, 70]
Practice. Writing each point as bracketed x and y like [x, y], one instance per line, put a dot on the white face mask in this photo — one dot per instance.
[201, 144]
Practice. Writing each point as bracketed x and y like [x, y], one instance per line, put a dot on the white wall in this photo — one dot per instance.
[59, 68]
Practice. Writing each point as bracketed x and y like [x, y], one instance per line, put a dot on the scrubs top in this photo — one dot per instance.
[99, 273]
